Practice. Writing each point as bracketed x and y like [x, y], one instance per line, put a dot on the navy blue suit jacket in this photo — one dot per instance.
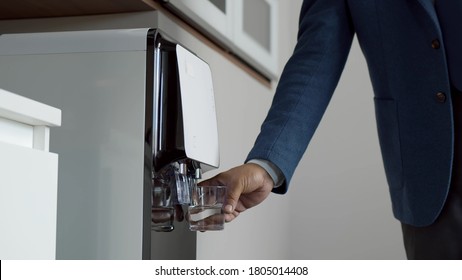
[401, 40]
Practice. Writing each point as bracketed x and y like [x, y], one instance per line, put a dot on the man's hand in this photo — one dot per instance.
[247, 185]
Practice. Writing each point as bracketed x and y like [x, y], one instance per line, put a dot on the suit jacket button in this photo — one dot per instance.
[441, 97]
[436, 44]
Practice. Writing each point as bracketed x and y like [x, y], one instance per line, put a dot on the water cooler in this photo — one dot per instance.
[138, 114]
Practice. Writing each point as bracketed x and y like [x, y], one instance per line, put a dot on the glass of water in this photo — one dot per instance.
[206, 208]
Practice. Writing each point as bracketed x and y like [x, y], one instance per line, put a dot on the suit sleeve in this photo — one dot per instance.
[306, 85]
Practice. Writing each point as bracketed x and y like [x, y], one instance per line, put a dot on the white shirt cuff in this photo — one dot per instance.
[274, 171]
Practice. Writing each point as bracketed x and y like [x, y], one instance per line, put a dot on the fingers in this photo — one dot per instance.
[228, 209]
[233, 189]
[232, 199]
[231, 216]
[247, 186]
[232, 196]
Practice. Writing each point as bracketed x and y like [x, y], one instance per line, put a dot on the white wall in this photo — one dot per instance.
[338, 205]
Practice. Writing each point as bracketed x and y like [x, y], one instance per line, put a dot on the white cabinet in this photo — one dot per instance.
[246, 28]
[215, 16]
[256, 32]
[28, 179]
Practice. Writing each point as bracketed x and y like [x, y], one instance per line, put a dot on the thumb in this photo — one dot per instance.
[234, 192]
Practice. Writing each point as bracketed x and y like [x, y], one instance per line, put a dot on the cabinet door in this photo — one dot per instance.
[214, 15]
[28, 203]
[256, 32]
[246, 28]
